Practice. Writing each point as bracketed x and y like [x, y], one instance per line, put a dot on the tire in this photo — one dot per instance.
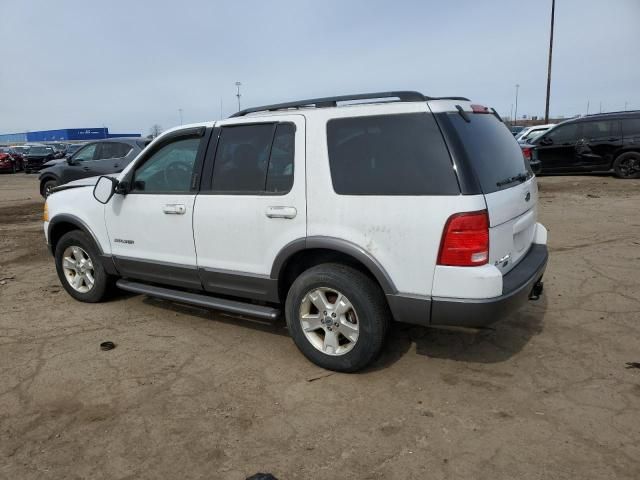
[13, 168]
[366, 321]
[77, 245]
[627, 165]
[47, 186]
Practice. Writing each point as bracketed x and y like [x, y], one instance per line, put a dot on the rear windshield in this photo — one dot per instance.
[493, 152]
[401, 154]
[40, 150]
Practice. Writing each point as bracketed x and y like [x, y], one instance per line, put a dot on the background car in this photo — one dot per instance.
[36, 157]
[516, 129]
[17, 157]
[7, 162]
[73, 148]
[531, 133]
[101, 157]
[594, 143]
[59, 148]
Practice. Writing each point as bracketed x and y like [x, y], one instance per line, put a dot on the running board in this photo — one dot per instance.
[230, 306]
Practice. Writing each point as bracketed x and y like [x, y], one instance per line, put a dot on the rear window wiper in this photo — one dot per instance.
[521, 177]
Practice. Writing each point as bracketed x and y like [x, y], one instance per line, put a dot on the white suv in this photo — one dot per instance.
[411, 208]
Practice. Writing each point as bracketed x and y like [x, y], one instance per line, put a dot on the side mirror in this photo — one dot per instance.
[70, 161]
[104, 189]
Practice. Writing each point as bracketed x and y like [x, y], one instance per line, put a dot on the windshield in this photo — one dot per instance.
[492, 150]
[40, 151]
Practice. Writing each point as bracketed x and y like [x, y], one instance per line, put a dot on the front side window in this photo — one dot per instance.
[402, 154]
[254, 159]
[564, 134]
[169, 169]
[86, 153]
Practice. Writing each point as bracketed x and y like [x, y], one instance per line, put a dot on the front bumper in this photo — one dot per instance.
[518, 285]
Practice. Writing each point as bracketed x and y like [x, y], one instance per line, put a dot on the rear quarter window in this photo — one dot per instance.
[402, 154]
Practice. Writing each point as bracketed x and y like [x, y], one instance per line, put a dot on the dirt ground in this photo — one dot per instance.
[190, 393]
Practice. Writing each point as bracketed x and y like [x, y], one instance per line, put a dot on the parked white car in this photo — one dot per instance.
[531, 133]
[343, 217]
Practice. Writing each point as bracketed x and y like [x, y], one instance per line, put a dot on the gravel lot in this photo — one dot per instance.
[190, 393]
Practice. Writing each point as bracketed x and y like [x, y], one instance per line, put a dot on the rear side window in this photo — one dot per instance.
[601, 129]
[402, 154]
[254, 159]
[491, 149]
[631, 127]
[112, 150]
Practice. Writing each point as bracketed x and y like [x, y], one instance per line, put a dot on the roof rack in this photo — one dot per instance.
[401, 96]
[609, 113]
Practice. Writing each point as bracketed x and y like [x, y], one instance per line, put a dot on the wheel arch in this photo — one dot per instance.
[45, 178]
[64, 223]
[302, 254]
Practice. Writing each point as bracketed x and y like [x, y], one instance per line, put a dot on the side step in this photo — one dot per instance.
[230, 306]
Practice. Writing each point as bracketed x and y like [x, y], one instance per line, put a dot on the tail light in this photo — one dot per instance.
[465, 240]
[527, 153]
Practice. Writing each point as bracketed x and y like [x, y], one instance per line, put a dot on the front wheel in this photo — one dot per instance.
[337, 317]
[79, 268]
[47, 187]
[627, 165]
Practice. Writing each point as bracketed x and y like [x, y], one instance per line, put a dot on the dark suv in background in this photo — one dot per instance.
[101, 157]
[594, 143]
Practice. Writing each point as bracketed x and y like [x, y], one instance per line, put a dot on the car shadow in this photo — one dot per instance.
[495, 344]
[488, 345]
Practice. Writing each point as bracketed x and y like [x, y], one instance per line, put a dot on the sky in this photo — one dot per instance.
[131, 64]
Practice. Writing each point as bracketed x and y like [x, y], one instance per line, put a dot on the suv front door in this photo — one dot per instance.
[556, 149]
[78, 165]
[150, 228]
[251, 204]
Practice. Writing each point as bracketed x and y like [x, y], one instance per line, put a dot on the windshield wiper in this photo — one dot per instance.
[521, 177]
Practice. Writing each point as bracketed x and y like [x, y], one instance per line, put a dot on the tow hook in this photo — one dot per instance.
[536, 291]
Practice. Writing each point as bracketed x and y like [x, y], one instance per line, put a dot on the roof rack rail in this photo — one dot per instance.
[614, 112]
[402, 96]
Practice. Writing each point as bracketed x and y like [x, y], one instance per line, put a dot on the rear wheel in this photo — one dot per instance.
[337, 317]
[627, 165]
[47, 187]
[79, 268]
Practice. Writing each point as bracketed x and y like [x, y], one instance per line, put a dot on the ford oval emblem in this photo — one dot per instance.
[527, 197]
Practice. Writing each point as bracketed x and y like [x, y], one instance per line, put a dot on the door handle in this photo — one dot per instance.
[281, 212]
[174, 209]
[86, 169]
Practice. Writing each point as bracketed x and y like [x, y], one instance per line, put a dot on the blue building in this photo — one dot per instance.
[65, 134]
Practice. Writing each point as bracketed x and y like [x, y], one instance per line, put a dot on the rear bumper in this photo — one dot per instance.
[517, 287]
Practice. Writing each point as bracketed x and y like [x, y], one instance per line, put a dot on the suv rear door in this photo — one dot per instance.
[251, 204]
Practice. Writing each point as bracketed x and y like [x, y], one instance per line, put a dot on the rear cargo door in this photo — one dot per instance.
[506, 180]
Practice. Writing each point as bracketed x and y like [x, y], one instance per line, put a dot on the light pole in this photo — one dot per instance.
[515, 115]
[238, 84]
[180, 112]
[546, 108]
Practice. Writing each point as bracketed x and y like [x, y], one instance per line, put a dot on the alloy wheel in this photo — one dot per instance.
[78, 269]
[329, 321]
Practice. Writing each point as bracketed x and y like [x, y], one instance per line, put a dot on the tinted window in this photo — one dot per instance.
[389, 155]
[280, 171]
[169, 169]
[40, 150]
[564, 134]
[112, 150]
[599, 129]
[86, 153]
[491, 149]
[631, 127]
[242, 158]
